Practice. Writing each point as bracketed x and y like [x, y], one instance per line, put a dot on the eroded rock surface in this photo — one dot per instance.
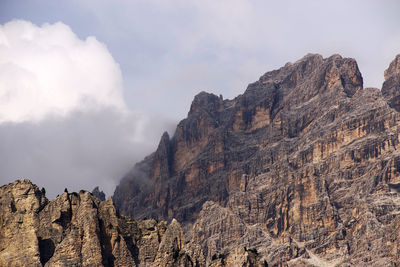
[78, 230]
[20, 204]
[304, 167]
[99, 194]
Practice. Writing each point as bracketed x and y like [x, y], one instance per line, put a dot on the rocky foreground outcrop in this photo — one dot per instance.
[79, 230]
[303, 169]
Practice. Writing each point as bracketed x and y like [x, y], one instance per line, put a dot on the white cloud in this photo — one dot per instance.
[48, 70]
[168, 51]
[63, 119]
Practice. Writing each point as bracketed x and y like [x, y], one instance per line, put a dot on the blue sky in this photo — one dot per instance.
[161, 54]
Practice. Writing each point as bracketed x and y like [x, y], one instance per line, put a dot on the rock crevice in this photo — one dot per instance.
[302, 166]
[78, 229]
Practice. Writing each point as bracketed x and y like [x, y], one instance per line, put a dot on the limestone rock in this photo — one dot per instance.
[170, 246]
[239, 257]
[303, 167]
[391, 86]
[78, 230]
[20, 203]
[394, 68]
[99, 194]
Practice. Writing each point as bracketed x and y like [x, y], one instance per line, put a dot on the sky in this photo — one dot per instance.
[88, 87]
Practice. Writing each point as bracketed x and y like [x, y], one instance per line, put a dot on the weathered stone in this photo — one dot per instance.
[78, 230]
[20, 203]
[99, 194]
[303, 167]
[391, 86]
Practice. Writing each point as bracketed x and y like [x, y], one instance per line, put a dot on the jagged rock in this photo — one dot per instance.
[78, 230]
[303, 167]
[301, 170]
[238, 257]
[210, 150]
[99, 194]
[170, 246]
[20, 203]
[391, 86]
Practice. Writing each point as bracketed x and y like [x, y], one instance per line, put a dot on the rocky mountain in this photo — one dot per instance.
[78, 230]
[302, 169]
[99, 194]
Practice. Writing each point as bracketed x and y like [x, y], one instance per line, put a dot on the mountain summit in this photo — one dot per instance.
[302, 169]
[303, 166]
[222, 140]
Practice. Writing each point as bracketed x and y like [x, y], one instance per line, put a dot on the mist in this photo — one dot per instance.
[87, 92]
[63, 120]
[79, 151]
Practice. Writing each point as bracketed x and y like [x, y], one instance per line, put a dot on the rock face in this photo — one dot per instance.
[99, 194]
[78, 230]
[19, 206]
[303, 169]
[391, 86]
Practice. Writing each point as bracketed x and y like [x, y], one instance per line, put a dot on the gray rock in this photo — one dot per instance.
[303, 166]
[99, 194]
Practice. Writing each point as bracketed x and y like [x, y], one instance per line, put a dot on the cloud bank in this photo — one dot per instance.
[63, 119]
[168, 51]
[177, 48]
[174, 49]
[48, 70]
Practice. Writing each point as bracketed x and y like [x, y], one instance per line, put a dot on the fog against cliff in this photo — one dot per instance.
[88, 87]
[63, 120]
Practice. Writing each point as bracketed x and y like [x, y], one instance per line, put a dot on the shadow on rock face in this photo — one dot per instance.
[46, 248]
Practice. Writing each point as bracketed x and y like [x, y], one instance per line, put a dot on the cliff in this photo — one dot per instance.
[78, 230]
[303, 167]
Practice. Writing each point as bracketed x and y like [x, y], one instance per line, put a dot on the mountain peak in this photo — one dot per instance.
[391, 85]
[317, 74]
[304, 158]
[204, 101]
[394, 68]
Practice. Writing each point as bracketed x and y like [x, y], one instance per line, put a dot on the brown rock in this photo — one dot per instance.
[20, 203]
[99, 194]
[301, 170]
[78, 230]
[394, 68]
[391, 86]
[302, 167]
